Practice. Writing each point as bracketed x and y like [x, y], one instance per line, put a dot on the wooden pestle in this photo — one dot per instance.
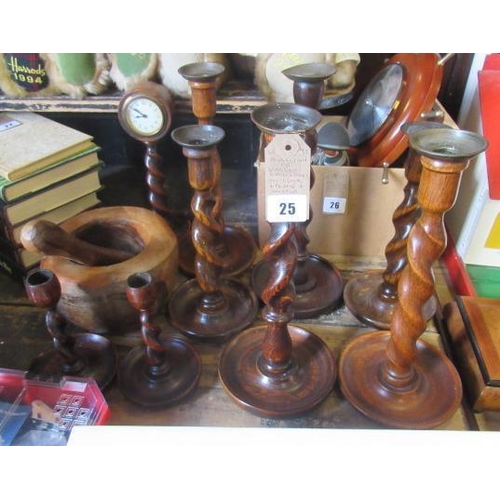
[47, 238]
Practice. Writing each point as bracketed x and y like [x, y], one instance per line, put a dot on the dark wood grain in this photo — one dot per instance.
[23, 336]
[209, 306]
[393, 376]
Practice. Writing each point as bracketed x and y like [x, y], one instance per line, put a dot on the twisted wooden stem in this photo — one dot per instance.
[204, 106]
[427, 241]
[142, 295]
[150, 333]
[206, 228]
[44, 290]
[155, 179]
[404, 218]
[281, 256]
[216, 209]
[308, 89]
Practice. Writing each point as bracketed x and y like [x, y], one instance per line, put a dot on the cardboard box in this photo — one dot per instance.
[365, 228]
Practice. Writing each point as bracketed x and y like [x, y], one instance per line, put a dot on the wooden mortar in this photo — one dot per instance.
[94, 297]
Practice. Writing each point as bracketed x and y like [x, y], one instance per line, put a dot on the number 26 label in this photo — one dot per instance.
[287, 208]
[333, 205]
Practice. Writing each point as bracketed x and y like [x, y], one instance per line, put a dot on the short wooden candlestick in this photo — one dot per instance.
[86, 355]
[278, 370]
[208, 307]
[393, 376]
[237, 247]
[372, 296]
[159, 373]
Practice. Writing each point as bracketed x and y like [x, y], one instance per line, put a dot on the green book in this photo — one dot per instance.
[50, 198]
[11, 190]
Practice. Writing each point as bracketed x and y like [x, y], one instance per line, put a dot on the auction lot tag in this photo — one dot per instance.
[335, 190]
[288, 178]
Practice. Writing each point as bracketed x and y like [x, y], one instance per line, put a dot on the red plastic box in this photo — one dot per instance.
[32, 406]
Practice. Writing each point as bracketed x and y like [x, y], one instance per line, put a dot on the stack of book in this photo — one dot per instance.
[47, 171]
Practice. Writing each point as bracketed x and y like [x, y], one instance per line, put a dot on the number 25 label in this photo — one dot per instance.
[286, 208]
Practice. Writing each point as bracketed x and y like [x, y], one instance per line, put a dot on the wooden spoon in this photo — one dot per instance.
[47, 238]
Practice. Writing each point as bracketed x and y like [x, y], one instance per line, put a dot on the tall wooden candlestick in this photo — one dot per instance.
[208, 307]
[278, 370]
[162, 371]
[372, 296]
[236, 246]
[318, 284]
[393, 376]
[80, 354]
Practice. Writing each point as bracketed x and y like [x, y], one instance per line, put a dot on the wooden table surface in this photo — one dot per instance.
[23, 336]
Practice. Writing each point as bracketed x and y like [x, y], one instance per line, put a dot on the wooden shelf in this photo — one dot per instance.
[231, 99]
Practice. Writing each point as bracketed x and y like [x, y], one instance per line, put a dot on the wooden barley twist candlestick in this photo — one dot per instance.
[208, 307]
[393, 376]
[237, 247]
[371, 297]
[278, 370]
[161, 372]
[308, 90]
[318, 285]
[79, 354]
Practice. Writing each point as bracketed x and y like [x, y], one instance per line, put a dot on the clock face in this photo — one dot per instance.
[375, 104]
[144, 116]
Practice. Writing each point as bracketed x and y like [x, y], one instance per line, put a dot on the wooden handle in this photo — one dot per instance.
[47, 238]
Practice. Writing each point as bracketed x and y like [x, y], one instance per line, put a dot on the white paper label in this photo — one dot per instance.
[335, 190]
[333, 205]
[287, 208]
[288, 179]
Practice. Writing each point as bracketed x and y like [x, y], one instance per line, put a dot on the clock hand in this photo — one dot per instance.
[142, 115]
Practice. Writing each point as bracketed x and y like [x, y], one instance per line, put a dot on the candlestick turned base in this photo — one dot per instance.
[86, 355]
[158, 373]
[212, 316]
[163, 386]
[363, 298]
[429, 398]
[297, 389]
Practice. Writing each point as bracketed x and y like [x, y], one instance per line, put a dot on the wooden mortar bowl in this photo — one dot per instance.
[94, 297]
